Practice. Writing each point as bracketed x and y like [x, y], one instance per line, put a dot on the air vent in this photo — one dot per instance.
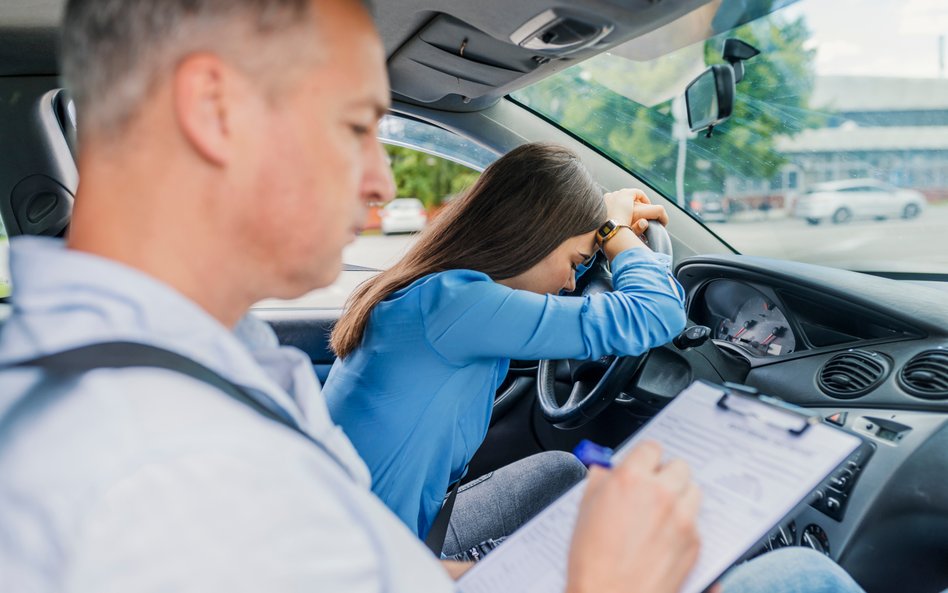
[853, 373]
[926, 375]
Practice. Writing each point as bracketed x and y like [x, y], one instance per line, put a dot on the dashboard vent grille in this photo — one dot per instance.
[926, 375]
[853, 373]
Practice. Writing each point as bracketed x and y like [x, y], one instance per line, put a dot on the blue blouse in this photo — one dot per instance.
[415, 399]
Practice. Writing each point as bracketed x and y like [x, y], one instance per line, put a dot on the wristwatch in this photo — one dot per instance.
[608, 230]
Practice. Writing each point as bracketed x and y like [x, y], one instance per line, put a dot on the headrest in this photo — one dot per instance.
[41, 201]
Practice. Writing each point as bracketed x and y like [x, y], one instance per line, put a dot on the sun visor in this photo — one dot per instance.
[470, 59]
[450, 57]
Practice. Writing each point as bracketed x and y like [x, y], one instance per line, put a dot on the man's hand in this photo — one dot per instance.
[456, 569]
[632, 207]
[636, 528]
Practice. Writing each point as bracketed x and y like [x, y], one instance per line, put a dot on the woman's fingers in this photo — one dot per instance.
[634, 206]
[650, 212]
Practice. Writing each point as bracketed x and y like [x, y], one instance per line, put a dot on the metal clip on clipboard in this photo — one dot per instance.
[737, 399]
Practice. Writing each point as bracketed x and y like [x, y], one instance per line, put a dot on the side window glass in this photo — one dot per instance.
[4, 262]
[431, 166]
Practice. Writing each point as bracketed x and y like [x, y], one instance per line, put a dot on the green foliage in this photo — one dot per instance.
[429, 178]
[772, 101]
[4, 282]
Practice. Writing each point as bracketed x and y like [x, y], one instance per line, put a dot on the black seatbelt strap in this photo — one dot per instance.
[439, 529]
[120, 355]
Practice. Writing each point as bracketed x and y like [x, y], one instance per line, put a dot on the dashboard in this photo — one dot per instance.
[866, 353]
[744, 316]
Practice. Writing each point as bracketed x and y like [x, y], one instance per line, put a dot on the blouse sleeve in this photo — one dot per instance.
[468, 316]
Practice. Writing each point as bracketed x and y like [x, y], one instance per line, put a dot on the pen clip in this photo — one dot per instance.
[797, 426]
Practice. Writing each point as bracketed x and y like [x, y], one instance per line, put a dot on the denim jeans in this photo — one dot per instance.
[789, 570]
[496, 504]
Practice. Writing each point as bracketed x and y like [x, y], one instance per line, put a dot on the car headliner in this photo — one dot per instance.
[423, 41]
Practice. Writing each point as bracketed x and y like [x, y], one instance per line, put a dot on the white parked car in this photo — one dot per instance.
[842, 201]
[403, 215]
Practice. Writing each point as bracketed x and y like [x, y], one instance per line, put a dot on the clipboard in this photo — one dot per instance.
[756, 459]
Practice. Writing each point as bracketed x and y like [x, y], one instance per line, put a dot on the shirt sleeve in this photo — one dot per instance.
[468, 316]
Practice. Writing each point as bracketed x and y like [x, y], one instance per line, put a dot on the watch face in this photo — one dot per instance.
[606, 228]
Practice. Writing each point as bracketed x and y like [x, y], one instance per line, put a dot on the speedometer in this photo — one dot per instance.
[759, 327]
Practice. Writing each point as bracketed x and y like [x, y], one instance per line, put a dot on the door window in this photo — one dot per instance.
[4, 262]
[431, 167]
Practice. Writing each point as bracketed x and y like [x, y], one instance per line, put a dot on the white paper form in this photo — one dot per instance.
[751, 472]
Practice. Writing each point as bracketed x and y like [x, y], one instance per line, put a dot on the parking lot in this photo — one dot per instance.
[892, 245]
[919, 244]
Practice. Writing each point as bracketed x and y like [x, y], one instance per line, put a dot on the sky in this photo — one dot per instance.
[876, 37]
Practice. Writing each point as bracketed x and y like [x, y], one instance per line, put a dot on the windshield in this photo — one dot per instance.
[837, 150]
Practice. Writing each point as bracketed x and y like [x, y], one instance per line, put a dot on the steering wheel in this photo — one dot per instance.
[596, 383]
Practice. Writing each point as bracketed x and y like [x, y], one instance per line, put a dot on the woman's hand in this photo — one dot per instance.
[632, 207]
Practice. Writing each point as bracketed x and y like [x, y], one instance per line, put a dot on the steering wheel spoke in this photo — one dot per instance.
[578, 394]
[563, 371]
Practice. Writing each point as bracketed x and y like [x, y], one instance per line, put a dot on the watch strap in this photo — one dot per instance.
[608, 230]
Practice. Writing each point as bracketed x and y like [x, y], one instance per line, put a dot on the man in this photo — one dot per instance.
[227, 150]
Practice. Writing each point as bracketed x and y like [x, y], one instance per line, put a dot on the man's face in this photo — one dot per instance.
[313, 161]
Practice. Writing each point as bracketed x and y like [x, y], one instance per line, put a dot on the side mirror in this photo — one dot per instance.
[710, 98]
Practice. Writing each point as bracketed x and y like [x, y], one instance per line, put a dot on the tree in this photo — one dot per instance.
[772, 101]
[429, 178]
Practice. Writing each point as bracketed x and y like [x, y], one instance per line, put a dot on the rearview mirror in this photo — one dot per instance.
[710, 98]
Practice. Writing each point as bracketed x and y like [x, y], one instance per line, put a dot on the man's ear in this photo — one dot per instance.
[202, 105]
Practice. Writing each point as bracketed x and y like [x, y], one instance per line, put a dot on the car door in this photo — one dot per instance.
[878, 200]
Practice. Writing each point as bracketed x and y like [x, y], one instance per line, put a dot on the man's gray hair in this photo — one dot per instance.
[115, 51]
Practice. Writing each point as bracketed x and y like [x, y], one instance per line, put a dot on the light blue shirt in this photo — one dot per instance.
[416, 397]
[146, 480]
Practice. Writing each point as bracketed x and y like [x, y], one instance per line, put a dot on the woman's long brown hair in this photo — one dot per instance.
[521, 208]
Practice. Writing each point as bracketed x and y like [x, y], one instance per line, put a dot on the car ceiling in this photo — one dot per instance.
[453, 55]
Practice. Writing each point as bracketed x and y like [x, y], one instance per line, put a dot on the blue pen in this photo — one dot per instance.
[589, 453]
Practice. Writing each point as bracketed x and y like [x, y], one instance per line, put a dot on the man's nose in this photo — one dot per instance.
[378, 185]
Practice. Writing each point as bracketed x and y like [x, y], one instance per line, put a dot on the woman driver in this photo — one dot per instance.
[423, 346]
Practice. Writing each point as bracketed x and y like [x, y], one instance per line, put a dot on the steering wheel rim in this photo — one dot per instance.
[588, 399]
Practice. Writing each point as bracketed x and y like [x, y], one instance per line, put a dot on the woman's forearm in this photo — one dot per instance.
[623, 239]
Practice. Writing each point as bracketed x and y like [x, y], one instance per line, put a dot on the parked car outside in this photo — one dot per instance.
[708, 206]
[843, 201]
[403, 215]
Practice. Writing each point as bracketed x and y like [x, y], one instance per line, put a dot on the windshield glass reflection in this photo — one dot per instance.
[837, 151]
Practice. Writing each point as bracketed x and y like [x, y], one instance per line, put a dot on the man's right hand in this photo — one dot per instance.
[636, 529]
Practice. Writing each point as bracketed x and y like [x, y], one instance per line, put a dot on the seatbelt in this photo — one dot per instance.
[120, 355]
[439, 529]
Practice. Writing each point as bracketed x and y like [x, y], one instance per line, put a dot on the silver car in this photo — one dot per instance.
[843, 201]
[403, 215]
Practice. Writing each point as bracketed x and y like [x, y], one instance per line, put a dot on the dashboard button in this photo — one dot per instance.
[839, 418]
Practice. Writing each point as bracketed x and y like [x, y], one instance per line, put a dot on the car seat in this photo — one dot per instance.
[39, 175]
